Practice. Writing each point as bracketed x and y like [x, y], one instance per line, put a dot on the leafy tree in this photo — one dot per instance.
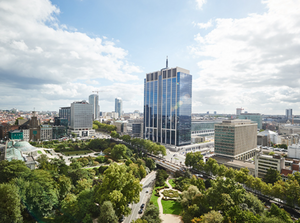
[98, 144]
[211, 166]
[275, 211]
[150, 163]
[10, 204]
[272, 176]
[119, 151]
[83, 184]
[139, 220]
[199, 183]
[161, 176]
[114, 134]
[107, 151]
[151, 214]
[12, 169]
[39, 194]
[107, 213]
[126, 138]
[64, 186]
[187, 196]
[210, 217]
[120, 187]
[192, 159]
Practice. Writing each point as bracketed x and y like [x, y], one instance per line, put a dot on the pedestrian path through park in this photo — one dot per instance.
[167, 218]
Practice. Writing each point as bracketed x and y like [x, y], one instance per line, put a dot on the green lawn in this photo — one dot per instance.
[74, 153]
[39, 152]
[172, 183]
[171, 207]
[154, 199]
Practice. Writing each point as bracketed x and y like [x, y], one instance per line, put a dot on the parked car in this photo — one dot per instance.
[121, 219]
[142, 206]
[140, 211]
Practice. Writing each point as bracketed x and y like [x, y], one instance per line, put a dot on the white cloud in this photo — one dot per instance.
[253, 61]
[37, 52]
[200, 3]
[204, 25]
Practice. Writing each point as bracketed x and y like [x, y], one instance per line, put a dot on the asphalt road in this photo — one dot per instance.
[147, 183]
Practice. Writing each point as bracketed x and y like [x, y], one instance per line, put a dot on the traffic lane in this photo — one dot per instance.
[147, 186]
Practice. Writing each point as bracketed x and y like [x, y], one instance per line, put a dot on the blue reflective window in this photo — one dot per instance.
[164, 104]
[184, 102]
[173, 119]
[151, 104]
[155, 104]
[168, 103]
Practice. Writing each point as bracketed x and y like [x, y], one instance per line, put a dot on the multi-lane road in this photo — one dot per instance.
[145, 194]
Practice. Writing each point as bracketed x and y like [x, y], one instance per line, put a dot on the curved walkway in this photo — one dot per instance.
[166, 218]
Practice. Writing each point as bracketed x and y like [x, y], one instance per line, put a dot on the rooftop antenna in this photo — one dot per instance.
[167, 62]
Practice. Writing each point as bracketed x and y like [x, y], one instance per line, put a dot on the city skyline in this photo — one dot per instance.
[241, 53]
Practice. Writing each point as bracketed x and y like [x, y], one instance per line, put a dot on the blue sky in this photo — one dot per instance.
[241, 53]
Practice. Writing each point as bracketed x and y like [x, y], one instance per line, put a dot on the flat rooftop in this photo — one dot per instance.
[233, 162]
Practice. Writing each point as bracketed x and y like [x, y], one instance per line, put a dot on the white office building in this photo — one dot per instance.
[294, 151]
[82, 118]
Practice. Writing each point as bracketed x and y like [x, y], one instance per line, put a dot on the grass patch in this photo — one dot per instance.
[39, 152]
[154, 199]
[74, 153]
[171, 181]
[171, 207]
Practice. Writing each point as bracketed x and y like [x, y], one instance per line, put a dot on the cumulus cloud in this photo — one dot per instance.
[204, 25]
[37, 52]
[200, 3]
[253, 61]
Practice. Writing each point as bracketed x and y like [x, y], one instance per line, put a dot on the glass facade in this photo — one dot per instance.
[118, 106]
[167, 106]
[94, 100]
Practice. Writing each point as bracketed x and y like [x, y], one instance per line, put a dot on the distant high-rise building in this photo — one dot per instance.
[168, 106]
[289, 113]
[81, 118]
[94, 101]
[118, 106]
[255, 117]
[215, 112]
[236, 139]
[239, 111]
[65, 113]
[207, 112]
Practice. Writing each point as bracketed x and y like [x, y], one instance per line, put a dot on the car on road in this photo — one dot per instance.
[140, 211]
[142, 206]
[121, 219]
[147, 191]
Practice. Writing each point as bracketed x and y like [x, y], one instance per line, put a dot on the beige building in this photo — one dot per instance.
[265, 162]
[236, 139]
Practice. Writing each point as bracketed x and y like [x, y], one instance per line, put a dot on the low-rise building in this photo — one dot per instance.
[15, 134]
[265, 162]
[46, 132]
[294, 151]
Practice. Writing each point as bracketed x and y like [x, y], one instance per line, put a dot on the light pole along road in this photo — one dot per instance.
[147, 183]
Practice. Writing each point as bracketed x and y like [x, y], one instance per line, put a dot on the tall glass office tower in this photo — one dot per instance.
[94, 100]
[168, 106]
[118, 106]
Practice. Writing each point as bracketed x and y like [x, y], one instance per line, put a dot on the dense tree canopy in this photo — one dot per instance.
[120, 187]
[10, 204]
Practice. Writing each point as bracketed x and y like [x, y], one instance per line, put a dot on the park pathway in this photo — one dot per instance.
[167, 218]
